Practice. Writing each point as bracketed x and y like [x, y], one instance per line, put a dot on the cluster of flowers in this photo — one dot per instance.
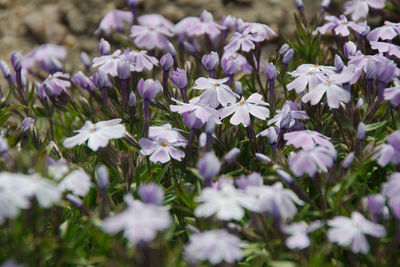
[145, 127]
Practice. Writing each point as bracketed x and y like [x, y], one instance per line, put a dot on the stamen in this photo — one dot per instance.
[164, 143]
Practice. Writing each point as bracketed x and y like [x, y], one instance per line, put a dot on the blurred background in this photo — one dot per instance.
[25, 24]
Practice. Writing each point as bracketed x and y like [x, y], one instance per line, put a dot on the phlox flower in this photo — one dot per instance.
[340, 26]
[98, 134]
[288, 116]
[239, 41]
[389, 152]
[44, 55]
[78, 182]
[240, 60]
[108, 63]
[57, 169]
[259, 31]
[276, 200]
[166, 132]
[139, 221]
[351, 231]
[386, 32]
[54, 85]
[150, 37]
[382, 47]
[201, 111]
[392, 94]
[215, 246]
[391, 189]
[155, 20]
[359, 8]
[307, 139]
[254, 105]
[308, 74]
[139, 60]
[271, 133]
[298, 234]
[215, 92]
[226, 203]
[160, 150]
[114, 20]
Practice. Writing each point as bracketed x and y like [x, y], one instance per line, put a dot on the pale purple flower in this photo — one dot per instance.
[298, 234]
[239, 41]
[100, 79]
[311, 160]
[81, 80]
[349, 49]
[27, 123]
[307, 139]
[148, 89]
[215, 246]
[271, 133]
[240, 59]
[140, 60]
[391, 190]
[389, 152]
[208, 166]
[114, 20]
[254, 105]
[340, 26]
[202, 111]
[386, 32]
[230, 65]
[227, 203]
[288, 115]
[160, 150]
[54, 85]
[98, 134]
[382, 47]
[215, 92]
[103, 177]
[10, 76]
[155, 20]
[204, 25]
[57, 169]
[150, 37]
[348, 160]
[108, 63]
[276, 200]
[139, 221]
[308, 74]
[103, 47]
[43, 55]
[331, 85]
[359, 8]
[375, 203]
[179, 78]
[210, 61]
[151, 193]
[260, 32]
[231, 155]
[392, 94]
[166, 132]
[351, 231]
[78, 182]
[253, 179]
[166, 62]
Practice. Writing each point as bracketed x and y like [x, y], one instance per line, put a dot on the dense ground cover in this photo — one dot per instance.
[189, 145]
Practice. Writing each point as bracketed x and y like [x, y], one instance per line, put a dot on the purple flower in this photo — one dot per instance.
[307, 139]
[209, 166]
[349, 49]
[375, 204]
[155, 20]
[338, 62]
[359, 8]
[132, 99]
[254, 105]
[123, 70]
[150, 37]
[382, 47]
[161, 150]
[201, 111]
[148, 89]
[216, 246]
[140, 60]
[260, 32]
[389, 152]
[239, 41]
[231, 155]
[308, 74]
[216, 92]
[10, 76]
[271, 133]
[253, 179]
[193, 26]
[386, 32]
[114, 20]
[361, 131]
[81, 80]
[288, 115]
[348, 160]
[270, 71]
[284, 48]
[100, 79]
[287, 57]
[108, 63]
[179, 78]
[210, 61]
[391, 189]
[340, 26]
[16, 61]
[45, 55]
[240, 59]
[351, 231]
[151, 193]
[27, 123]
[104, 47]
[167, 133]
[230, 65]
[103, 178]
[311, 160]
[53, 85]
[166, 62]
[298, 234]
[392, 94]
[139, 221]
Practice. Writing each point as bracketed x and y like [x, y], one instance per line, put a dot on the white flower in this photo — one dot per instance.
[161, 150]
[227, 203]
[167, 133]
[98, 134]
[216, 92]
[254, 105]
[346, 231]
[298, 234]
[275, 199]
[140, 221]
[78, 182]
[215, 246]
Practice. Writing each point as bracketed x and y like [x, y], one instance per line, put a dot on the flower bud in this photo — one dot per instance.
[81, 80]
[6, 72]
[348, 161]
[270, 71]
[375, 204]
[151, 193]
[102, 177]
[179, 78]
[100, 79]
[189, 47]
[103, 47]
[166, 62]
[299, 4]
[148, 89]
[16, 61]
[288, 56]
[231, 155]
[27, 123]
[284, 48]
[286, 119]
[123, 70]
[349, 49]
[85, 60]
[361, 131]
[210, 61]
[75, 201]
[170, 49]
[132, 99]
[286, 178]
[238, 87]
[202, 140]
[263, 158]
[230, 65]
[209, 166]
[339, 65]
[132, 3]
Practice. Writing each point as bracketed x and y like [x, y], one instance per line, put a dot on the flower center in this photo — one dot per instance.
[164, 143]
[329, 81]
[216, 84]
[137, 51]
[113, 57]
[50, 77]
[316, 65]
[92, 129]
[366, 56]
[344, 22]
[197, 103]
[151, 28]
[241, 102]
[310, 72]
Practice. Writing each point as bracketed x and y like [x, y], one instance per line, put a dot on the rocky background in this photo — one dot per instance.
[25, 24]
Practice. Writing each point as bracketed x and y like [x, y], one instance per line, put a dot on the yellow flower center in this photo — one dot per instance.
[345, 22]
[164, 143]
[114, 57]
[241, 102]
[197, 103]
[310, 72]
[216, 84]
[329, 81]
[366, 56]
[50, 77]
[151, 28]
[316, 65]
[92, 129]
[137, 51]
